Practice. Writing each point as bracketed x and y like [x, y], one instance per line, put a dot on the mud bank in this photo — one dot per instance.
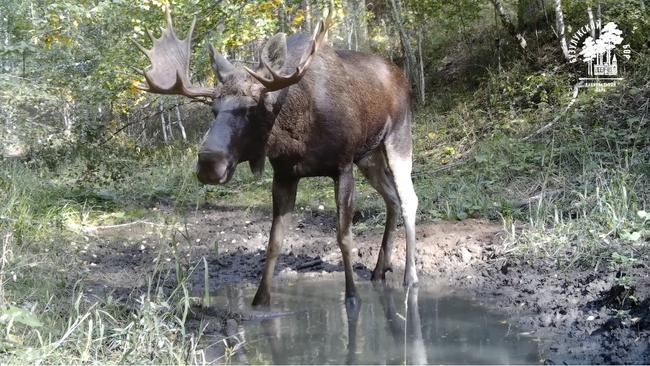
[579, 316]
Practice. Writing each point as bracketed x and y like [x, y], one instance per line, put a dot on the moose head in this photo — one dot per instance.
[243, 101]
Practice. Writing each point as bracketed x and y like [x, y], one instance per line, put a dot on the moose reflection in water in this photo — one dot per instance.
[309, 324]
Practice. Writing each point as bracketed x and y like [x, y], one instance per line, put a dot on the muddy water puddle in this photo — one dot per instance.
[308, 323]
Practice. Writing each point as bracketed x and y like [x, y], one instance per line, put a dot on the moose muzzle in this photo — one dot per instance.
[214, 167]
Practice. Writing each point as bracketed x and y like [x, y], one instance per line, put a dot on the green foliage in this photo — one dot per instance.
[629, 15]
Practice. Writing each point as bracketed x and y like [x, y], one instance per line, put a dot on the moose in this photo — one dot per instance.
[313, 111]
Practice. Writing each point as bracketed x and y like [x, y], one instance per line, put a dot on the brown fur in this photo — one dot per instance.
[337, 113]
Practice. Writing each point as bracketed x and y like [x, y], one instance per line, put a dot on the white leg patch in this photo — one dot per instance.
[401, 167]
[400, 160]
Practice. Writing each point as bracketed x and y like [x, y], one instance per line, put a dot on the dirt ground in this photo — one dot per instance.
[577, 314]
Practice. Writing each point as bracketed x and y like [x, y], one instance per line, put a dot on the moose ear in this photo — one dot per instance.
[275, 51]
[220, 65]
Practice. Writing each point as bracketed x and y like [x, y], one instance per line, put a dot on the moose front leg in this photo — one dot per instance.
[344, 188]
[284, 199]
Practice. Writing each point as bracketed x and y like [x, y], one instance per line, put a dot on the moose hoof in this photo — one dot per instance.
[351, 304]
[262, 299]
[410, 279]
[379, 274]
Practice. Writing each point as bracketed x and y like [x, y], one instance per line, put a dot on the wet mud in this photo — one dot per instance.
[576, 315]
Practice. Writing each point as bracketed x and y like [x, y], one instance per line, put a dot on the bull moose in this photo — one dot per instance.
[313, 111]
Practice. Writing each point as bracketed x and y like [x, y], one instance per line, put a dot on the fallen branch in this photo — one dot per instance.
[91, 228]
[547, 126]
[309, 264]
[538, 197]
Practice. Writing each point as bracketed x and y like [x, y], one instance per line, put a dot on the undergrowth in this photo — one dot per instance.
[576, 194]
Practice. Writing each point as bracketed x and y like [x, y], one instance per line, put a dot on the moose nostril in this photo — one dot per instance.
[213, 166]
[208, 156]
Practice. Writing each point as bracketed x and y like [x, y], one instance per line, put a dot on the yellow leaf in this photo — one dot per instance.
[132, 89]
[298, 19]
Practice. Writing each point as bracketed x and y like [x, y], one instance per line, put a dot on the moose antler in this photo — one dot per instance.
[169, 72]
[278, 81]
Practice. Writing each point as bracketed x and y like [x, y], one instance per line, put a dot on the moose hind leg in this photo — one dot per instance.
[284, 198]
[375, 169]
[399, 157]
[344, 188]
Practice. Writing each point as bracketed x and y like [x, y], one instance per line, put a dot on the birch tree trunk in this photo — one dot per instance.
[162, 122]
[308, 25]
[180, 122]
[362, 24]
[356, 23]
[559, 23]
[507, 23]
[409, 55]
[170, 125]
[143, 125]
[421, 62]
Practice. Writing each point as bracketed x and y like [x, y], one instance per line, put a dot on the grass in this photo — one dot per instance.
[48, 315]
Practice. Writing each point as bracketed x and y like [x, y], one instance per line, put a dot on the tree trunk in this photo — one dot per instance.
[421, 62]
[143, 124]
[497, 40]
[507, 22]
[409, 54]
[559, 23]
[356, 23]
[24, 56]
[528, 14]
[170, 125]
[67, 119]
[388, 36]
[308, 25]
[180, 122]
[348, 22]
[283, 17]
[162, 122]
